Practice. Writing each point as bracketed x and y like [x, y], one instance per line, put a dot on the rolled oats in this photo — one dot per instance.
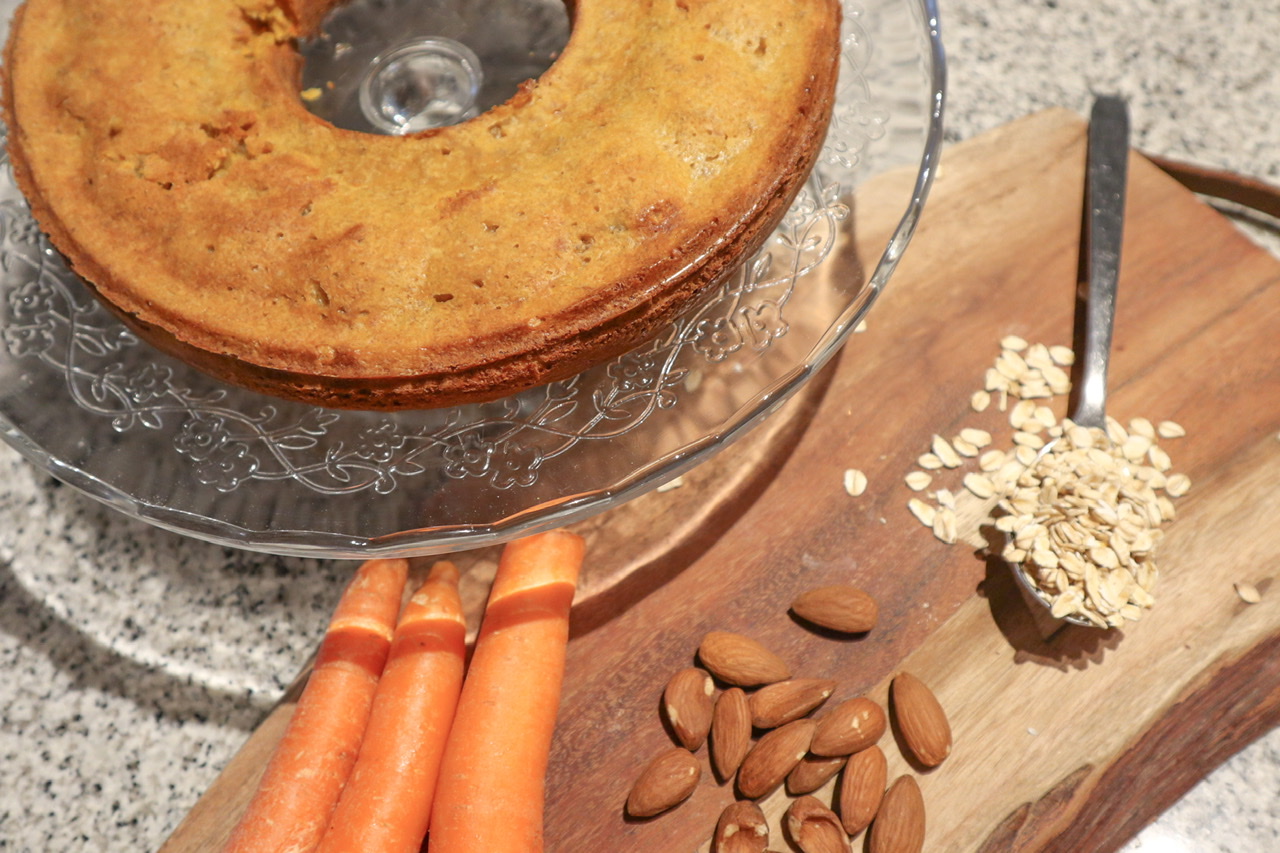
[855, 482]
[922, 511]
[1248, 593]
[1178, 485]
[945, 452]
[1082, 515]
[918, 481]
[1062, 356]
[1013, 342]
[979, 485]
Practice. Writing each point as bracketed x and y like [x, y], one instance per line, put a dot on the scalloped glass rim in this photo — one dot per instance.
[567, 509]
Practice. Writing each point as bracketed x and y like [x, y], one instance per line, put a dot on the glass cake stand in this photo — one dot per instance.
[84, 400]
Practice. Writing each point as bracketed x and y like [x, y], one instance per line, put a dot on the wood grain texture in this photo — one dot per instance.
[997, 253]
[1066, 743]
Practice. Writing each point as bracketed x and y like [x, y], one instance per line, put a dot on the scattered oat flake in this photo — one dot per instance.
[944, 525]
[1170, 429]
[1025, 455]
[922, 511]
[992, 460]
[1159, 459]
[1248, 593]
[855, 482]
[929, 461]
[1023, 438]
[979, 485]
[976, 437]
[1011, 366]
[1116, 432]
[1022, 412]
[945, 452]
[1056, 378]
[1062, 356]
[671, 484]
[980, 401]
[861, 327]
[1178, 485]
[964, 448]
[1013, 342]
[1037, 356]
[919, 480]
[1143, 427]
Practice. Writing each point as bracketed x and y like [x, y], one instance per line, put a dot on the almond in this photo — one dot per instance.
[740, 660]
[899, 826]
[688, 703]
[849, 727]
[666, 781]
[784, 701]
[773, 757]
[742, 828]
[862, 788]
[841, 607]
[815, 828]
[812, 773]
[730, 732]
[921, 720]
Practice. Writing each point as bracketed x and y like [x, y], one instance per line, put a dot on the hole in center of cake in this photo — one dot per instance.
[403, 66]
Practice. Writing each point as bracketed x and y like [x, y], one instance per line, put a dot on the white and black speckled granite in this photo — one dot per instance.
[136, 661]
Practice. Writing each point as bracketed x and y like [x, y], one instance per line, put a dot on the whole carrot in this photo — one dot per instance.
[303, 779]
[387, 801]
[490, 795]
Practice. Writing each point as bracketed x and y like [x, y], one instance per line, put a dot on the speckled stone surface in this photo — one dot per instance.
[135, 661]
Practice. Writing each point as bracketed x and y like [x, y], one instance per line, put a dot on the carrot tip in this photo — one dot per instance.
[444, 571]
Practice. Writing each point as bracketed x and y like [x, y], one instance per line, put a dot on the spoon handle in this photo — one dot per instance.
[1105, 178]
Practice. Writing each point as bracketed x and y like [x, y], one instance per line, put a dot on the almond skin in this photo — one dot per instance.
[812, 773]
[862, 788]
[840, 607]
[921, 720]
[899, 827]
[849, 727]
[665, 782]
[688, 702]
[773, 757]
[742, 828]
[783, 701]
[815, 828]
[730, 732]
[740, 660]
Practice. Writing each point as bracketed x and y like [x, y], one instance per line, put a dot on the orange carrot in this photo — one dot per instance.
[387, 801]
[490, 795]
[305, 775]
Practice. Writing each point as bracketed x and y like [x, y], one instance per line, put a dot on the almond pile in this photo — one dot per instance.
[763, 735]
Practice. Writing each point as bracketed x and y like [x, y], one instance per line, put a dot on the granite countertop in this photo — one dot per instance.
[137, 661]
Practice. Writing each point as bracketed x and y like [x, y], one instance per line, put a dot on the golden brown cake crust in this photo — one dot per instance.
[230, 227]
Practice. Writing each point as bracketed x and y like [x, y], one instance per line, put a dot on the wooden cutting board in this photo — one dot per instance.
[1070, 743]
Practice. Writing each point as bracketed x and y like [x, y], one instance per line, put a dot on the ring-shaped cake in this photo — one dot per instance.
[165, 150]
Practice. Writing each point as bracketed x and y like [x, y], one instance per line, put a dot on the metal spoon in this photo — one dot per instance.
[1105, 178]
